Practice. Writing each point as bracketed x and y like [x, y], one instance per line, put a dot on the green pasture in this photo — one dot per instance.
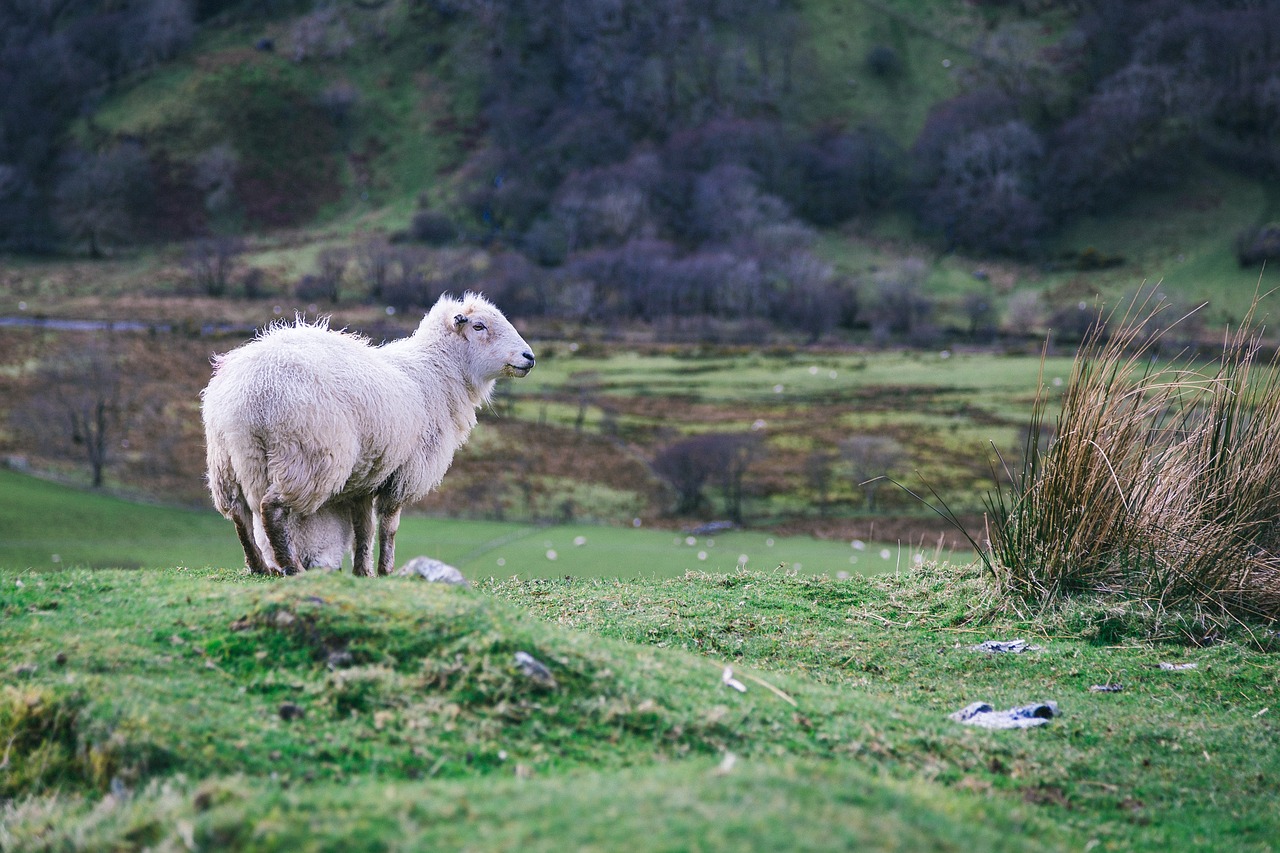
[761, 376]
[44, 525]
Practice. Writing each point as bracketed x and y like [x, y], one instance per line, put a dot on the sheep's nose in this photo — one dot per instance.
[528, 356]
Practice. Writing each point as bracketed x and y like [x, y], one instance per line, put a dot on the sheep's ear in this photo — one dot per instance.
[459, 320]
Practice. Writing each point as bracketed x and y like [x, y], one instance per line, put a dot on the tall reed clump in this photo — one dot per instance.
[1161, 480]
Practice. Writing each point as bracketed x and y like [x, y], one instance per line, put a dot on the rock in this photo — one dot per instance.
[1024, 717]
[431, 569]
[289, 711]
[1004, 647]
[535, 669]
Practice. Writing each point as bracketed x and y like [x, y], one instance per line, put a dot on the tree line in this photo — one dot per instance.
[650, 151]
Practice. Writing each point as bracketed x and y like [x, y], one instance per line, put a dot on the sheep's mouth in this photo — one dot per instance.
[519, 371]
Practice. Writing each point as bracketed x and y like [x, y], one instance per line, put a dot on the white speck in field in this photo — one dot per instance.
[579, 541]
[702, 555]
[742, 560]
[832, 375]
[944, 355]
[391, 310]
[797, 566]
[858, 545]
[691, 540]
[573, 347]
[276, 309]
[843, 576]
[1057, 382]
[551, 554]
[759, 424]
[946, 63]
[919, 559]
[22, 306]
[711, 543]
[57, 558]
[675, 541]
[502, 561]
[813, 371]
[635, 522]
[885, 553]
[768, 543]
[778, 389]
[853, 561]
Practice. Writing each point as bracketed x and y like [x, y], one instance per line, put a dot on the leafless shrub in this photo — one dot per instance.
[211, 261]
[872, 460]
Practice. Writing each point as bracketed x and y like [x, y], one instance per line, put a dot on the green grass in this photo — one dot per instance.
[419, 731]
[44, 525]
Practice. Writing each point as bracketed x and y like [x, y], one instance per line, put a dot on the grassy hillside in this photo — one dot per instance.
[409, 88]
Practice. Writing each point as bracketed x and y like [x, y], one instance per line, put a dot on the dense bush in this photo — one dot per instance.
[56, 59]
[1258, 245]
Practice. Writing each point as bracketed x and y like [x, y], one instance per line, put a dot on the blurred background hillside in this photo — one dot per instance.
[932, 174]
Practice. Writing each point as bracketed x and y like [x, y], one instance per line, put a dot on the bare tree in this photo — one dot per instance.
[738, 453]
[871, 459]
[685, 467]
[723, 458]
[901, 306]
[588, 383]
[374, 260]
[99, 199]
[326, 282]
[819, 472]
[210, 262]
[79, 405]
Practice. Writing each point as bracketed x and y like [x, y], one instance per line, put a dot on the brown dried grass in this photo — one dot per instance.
[1162, 479]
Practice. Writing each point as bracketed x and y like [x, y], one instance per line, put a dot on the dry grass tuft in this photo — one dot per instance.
[1161, 479]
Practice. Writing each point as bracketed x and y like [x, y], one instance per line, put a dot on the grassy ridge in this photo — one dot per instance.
[146, 707]
[130, 677]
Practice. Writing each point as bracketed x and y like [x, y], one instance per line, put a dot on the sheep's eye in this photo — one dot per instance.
[479, 327]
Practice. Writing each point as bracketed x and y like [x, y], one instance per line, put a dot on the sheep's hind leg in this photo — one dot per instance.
[362, 526]
[275, 516]
[244, 529]
[388, 524]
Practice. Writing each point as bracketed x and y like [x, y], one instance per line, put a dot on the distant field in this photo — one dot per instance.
[45, 525]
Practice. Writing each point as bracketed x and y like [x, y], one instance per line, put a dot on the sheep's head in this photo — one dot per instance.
[492, 347]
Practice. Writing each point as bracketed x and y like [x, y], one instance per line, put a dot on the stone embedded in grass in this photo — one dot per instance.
[1001, 647]
[535, 670]
[433, 570]
[1023, 717]
[290, 711]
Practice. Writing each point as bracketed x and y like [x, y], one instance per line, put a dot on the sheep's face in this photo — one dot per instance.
[493, 347]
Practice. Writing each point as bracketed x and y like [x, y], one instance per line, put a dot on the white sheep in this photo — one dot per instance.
[304, 416]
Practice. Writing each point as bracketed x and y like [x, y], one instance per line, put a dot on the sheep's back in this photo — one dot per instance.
[310, 413]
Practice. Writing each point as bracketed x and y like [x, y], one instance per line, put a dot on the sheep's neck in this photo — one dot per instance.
[430, 367]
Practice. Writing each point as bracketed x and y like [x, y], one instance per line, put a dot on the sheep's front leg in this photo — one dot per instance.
[362, 525]
[388, 524]
[275, 516]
